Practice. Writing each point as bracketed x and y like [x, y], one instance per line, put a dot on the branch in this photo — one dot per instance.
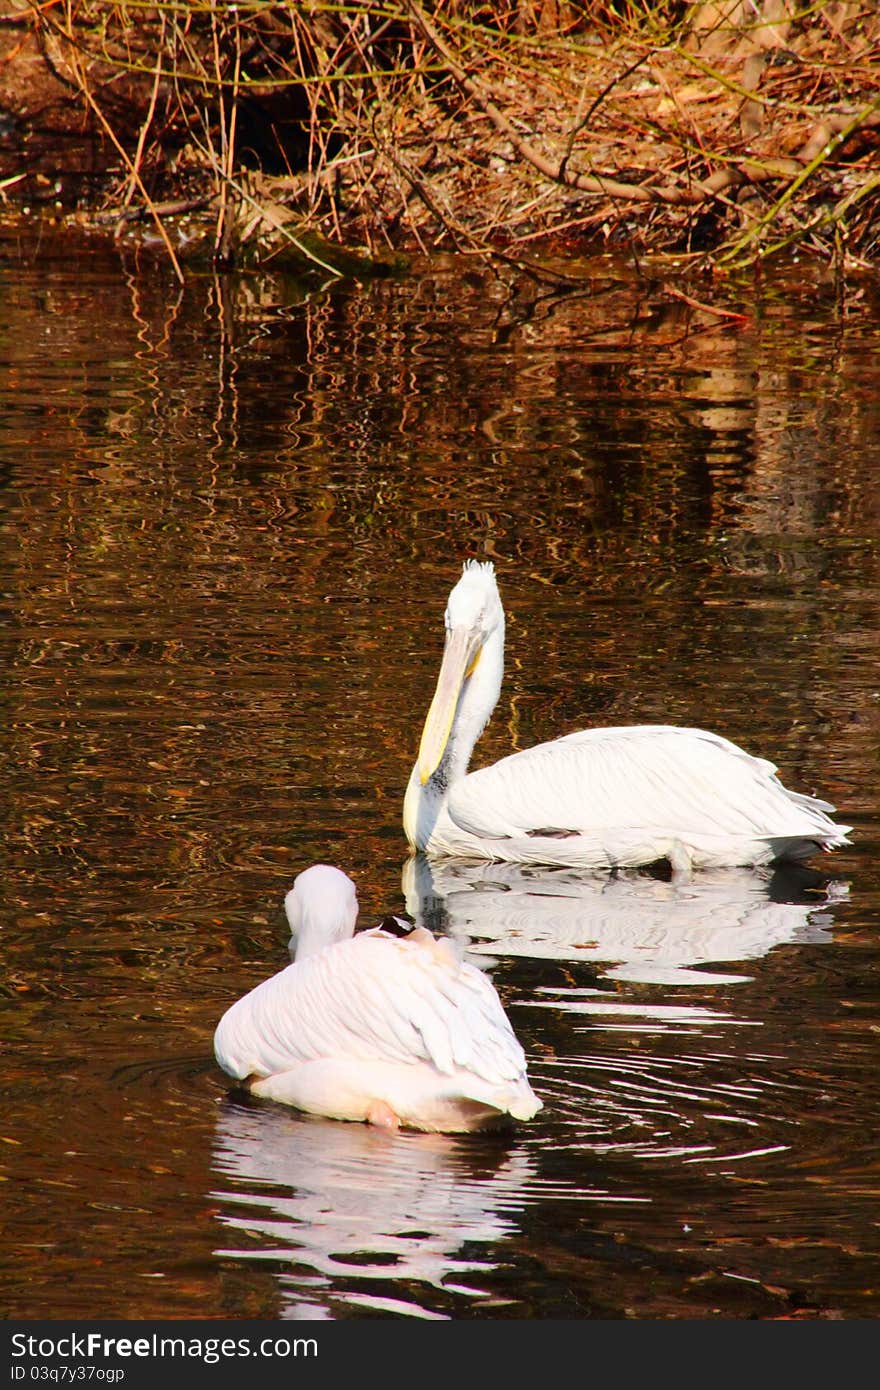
[586, 183]
[751, 235]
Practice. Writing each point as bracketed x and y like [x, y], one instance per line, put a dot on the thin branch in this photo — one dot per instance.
[148, 121]
[586, 183]
[84, 88]
[705, 308]
[753, 233]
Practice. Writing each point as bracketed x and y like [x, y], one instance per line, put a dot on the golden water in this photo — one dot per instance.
[230, 519]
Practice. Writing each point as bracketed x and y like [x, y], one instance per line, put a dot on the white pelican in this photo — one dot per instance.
[597, 799]
[393, 1029]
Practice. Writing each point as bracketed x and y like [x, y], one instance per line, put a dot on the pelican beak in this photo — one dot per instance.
[460, 656]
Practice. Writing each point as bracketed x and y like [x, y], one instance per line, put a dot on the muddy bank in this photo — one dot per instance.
[722, 131]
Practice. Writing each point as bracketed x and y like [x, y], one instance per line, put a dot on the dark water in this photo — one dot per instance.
[231, 516]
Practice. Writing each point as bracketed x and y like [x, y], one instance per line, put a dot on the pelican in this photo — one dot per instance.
[388, 1026]
[597, 799]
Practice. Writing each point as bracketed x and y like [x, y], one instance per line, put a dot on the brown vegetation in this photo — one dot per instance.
[726, 130]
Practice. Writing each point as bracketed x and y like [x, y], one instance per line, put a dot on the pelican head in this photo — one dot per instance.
[321, 908]
[469, 683]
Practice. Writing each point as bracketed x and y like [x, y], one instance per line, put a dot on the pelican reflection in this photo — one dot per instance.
[638, 927]
[348, 1215]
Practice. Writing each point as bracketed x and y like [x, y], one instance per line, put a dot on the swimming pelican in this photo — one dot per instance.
[388, 1026]
[597, 799]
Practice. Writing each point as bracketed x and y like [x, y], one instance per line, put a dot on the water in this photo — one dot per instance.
[231, 517]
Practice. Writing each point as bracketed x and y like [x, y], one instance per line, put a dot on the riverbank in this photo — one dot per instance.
[342, 137]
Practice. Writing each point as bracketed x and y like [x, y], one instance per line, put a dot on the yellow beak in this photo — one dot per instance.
[460, 656]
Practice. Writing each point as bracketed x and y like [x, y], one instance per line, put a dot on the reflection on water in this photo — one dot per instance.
[652, 1102]
[349, 1215]
[634, 928]
[230, 515]
[643, 928]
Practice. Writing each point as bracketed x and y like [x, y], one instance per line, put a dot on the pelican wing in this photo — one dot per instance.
[616, 782]
[374, 997]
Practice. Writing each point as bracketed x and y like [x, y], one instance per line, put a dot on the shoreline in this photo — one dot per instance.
[692, 134]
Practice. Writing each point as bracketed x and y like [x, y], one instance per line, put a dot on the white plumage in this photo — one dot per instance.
[379, 1027]
[601, 798]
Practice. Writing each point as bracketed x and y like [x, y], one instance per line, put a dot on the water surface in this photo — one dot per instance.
[231, 516]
